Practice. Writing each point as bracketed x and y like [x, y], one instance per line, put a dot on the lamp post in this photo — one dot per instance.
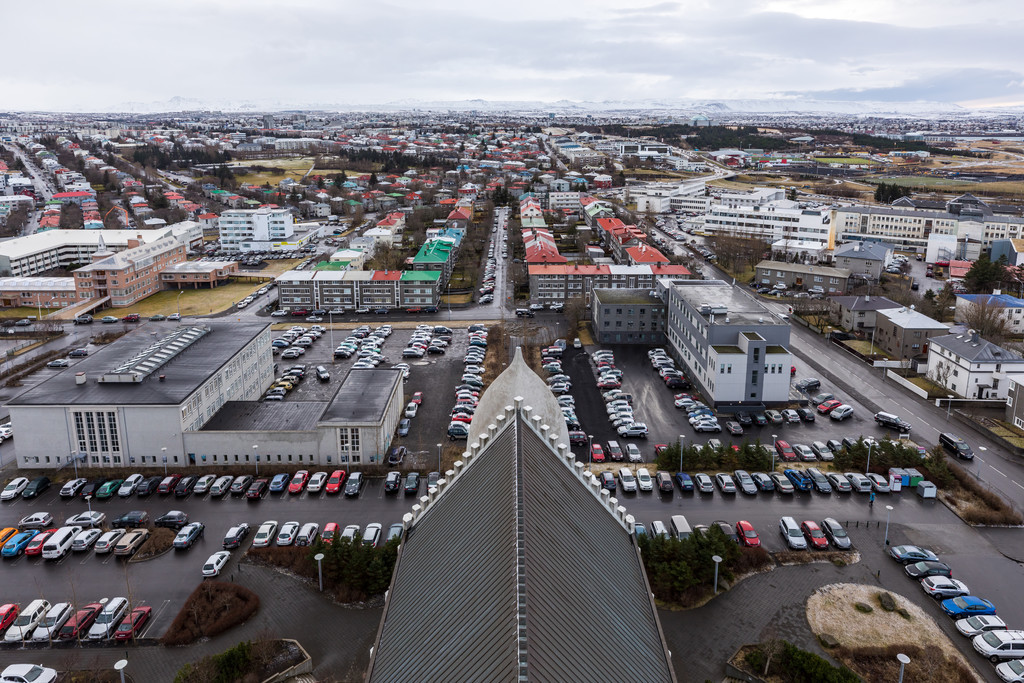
[163, 454]
[330, 324]
[903, 660]
[74, 459]
[775, 438]
[949, 405]
[320, 569]
[718, 561]
[88, 502]
[888, 513]
[590, 450]
[256, 457]
[867, 468]
[681, 437]
[178, 301]
[439, 459]
[119, 667]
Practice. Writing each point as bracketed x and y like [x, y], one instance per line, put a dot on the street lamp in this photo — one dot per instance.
[256, 457]
[949, 405]
[330, 323]
[119, 667]
[180, 292]
[718, 560]
[681, 437]
[320, 569]
[903, 660]
[867, 468]
[163, 453]
[590, 450]
[88, 502]
[888, 512]
[439, 459]
[74, 459]
[775, 438]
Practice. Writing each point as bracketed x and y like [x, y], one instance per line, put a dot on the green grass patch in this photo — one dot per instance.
[845, 160]
[934, 390]
[864, 347]
[193, 301]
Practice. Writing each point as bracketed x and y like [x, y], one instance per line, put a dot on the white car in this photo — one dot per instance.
[28, 673]
[86, 519]
[221, 486]
[410, 411]
[27, 621]
[108, 619]
[643, 479]
[941, 587]
[85, 539]
[129, 485]
[626, 480]
[265, 534]
[215, 563]
[51, 624]
[287, 534]
[71, 489]
[316, 482]
[973, 626]
[14, 488]
[205, 482]
[37, 520]
[108, 540]
[307, 534]
[350, 532]
[371, 536]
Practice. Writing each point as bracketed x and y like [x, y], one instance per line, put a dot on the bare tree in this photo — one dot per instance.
[941, 372]
[987, 320]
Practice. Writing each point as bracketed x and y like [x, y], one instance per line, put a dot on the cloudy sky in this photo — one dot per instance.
[82, 56]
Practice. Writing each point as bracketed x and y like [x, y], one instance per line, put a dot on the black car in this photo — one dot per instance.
[185, 486]
[92, 487]
[131, 520]
[412, 483]
[435, 349]
[235, 536]
[35, 487]
[240, 485]
[78, 353]
[744, 419]
[148, 486]
[677, 383]
[355, 484]
[175, 519]
[806, 414]
[258, 489]
[926, 568]
[392, 482]
[396, 455]
[808, 384]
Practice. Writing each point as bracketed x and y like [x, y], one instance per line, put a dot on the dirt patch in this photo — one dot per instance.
[869, 642]
[840, 558]
[213, 607]
[159, 542]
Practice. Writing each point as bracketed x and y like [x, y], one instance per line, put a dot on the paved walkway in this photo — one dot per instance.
[337, 638]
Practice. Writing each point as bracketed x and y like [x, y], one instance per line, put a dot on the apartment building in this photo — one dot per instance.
[348, 290]
[863, 259]
[767, 216]
[628, 316]
[802, 276]
[732, 346]
[40, 292]
[550, 283]
[905, 333]
[262, 229]
[1007, 307]
[689, 195]
[130, 275]
[972, 367]
[198, 274]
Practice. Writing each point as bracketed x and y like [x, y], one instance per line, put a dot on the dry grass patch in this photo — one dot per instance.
[865, 639]
[161, 539]
[213, 607]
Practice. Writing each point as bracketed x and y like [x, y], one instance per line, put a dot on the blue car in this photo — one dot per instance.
[16, 545]
[684, 481]
[279, 483]
[906, 554]
[403, 426]
[800, 480]
[967, 606]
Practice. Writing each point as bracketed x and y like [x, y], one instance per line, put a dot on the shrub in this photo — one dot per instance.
[212, 608]
[680, 571]
[800, 665]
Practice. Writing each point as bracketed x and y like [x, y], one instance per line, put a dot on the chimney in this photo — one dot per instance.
[974, 337]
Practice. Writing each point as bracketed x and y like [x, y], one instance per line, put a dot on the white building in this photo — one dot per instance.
[1007, 307]
[733, 347]
[971, 367]
[767, 216]
[261, 229]
[689, 195]
[558, 201]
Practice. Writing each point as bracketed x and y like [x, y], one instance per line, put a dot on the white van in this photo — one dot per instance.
[790, 531]
[58, 545]
[680, 527]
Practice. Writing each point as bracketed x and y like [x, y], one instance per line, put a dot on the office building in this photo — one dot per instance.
[628, 316]
[262, 229]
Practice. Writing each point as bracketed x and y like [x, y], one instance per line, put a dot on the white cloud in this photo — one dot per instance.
[347, 52]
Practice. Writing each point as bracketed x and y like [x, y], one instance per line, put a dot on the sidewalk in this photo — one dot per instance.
[337, 638]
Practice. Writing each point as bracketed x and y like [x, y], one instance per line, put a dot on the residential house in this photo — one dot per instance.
[1007, 307]
[903, 333]
[858, 313]
[802, 276]
[863, 259]
[972, 367]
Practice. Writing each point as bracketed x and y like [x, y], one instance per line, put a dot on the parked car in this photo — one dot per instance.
[906, 554]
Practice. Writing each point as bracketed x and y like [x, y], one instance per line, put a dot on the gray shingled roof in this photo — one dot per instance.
[974, 349]
[518, 571]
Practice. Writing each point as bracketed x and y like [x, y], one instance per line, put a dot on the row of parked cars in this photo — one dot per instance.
[41, 622]
[975, 617]
[618, 407]
[467, 392]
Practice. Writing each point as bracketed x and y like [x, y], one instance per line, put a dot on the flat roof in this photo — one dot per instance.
[183, 373]
[363, 396]
[627, 296]
[21, 247]
[276, 416]
[740, 306]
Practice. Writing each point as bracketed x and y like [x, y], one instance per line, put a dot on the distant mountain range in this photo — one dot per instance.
[723, 107]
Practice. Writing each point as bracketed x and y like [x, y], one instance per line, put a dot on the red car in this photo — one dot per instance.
[8, 613]
[168, 483]
[78, 625]
[298, 482]
[596, 452]
[610, 384]
[461, 417]
[301, 311]
[785, 451]
[814, 535]
[133, 623]
[828, 406]
[335, 481]
[746, 535]
[417, 398]
[330, 532]
[35, 546]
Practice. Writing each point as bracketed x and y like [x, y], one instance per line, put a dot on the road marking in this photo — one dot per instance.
[1017, 484]
[996, 471]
